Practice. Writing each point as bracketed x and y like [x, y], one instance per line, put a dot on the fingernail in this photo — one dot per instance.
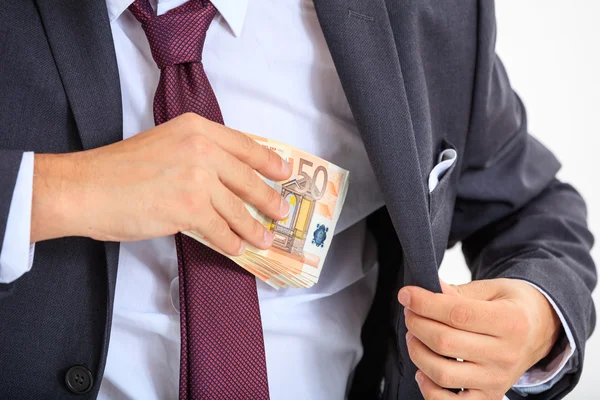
[284, 208]
[409, 337]
[405, 311]
[268, 237]
[404, 297]
[242, 248]
[419, 378]
[286, 167]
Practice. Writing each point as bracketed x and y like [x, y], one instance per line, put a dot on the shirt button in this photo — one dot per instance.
[175, 294]
[79, 379]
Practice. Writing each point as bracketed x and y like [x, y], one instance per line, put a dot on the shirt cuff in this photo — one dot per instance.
[540, 378]
[16, 256]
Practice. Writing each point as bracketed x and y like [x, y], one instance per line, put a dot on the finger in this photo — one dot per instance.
[489, 289]
[448, 288]
[430, 390]
[477, 316]
[451, 342]
[445, 372]
[474, 394]
[247, 150]
[244, 182]
[214, 228]
[234, 212]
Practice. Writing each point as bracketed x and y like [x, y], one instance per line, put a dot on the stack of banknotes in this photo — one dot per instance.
[316, 193]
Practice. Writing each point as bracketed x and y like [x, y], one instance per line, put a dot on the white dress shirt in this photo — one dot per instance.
[271, 71]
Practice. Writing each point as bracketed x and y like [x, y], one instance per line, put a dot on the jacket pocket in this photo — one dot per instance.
[442, 198]
[440, 177]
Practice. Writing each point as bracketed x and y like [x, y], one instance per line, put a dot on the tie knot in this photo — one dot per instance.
[177, 36]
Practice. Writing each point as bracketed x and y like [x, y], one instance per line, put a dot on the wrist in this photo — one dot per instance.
[58, 199]
[549, 327]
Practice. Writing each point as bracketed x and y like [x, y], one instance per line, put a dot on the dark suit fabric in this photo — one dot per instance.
[420, 77]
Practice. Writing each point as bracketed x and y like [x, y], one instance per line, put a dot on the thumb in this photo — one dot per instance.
[478, 290]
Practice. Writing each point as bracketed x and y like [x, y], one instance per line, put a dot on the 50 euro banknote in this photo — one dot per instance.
[315, 193]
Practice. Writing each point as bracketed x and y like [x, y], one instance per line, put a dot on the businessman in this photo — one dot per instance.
[120, 126]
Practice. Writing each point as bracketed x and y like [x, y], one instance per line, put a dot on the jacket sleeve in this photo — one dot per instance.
[514, 218]
[10, 162]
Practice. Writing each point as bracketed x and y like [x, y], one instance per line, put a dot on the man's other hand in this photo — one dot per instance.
[499, 327]
[186, 174]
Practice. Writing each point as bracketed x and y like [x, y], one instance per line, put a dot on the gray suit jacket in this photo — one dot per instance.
[420, 77]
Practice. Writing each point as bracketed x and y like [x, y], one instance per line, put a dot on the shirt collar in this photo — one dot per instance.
[232, 11]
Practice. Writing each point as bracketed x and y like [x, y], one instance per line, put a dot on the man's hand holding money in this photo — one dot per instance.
[186, 174]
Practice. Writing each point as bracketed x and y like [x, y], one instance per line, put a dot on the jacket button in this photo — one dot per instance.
[79, 379]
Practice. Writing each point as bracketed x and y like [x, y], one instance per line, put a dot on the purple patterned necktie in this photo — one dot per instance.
[222, 346]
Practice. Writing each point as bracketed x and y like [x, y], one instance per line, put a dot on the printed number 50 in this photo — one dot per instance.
[311, 183]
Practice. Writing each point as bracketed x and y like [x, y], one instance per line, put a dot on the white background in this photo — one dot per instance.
[551, 50]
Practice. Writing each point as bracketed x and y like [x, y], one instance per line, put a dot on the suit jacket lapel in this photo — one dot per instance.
[362, 45]
[81, 42]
